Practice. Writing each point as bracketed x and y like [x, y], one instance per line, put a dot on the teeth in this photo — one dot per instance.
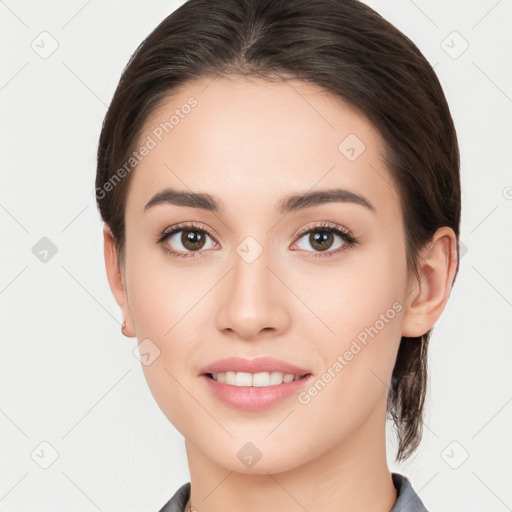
[256, 379]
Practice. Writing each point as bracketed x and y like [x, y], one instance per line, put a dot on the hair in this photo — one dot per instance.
[353, 53]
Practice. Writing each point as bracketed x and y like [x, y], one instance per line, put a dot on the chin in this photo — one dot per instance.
[257, 458]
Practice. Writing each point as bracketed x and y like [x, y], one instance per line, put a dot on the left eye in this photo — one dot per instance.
[322, 239]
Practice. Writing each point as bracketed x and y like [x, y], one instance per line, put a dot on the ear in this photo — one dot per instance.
[426, 298]
[116, 279]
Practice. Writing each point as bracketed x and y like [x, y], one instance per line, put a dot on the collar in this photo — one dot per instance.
[407, 500]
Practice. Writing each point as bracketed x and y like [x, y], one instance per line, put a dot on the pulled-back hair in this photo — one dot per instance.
[351, 52]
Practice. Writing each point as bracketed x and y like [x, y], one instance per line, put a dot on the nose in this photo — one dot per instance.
[253, 301]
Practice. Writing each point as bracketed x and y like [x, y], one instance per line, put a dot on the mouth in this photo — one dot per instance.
[254, 384]
[260, 379]
[254, 392]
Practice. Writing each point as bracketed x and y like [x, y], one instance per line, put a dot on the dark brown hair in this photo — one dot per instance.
[351, 52]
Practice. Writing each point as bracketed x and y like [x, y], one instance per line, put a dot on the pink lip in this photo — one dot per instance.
[260, 364]
[250, 398]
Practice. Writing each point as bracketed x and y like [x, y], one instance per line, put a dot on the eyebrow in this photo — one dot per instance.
[290, 203]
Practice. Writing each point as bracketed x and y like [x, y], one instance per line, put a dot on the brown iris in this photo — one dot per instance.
[321, 240]
[192, 240]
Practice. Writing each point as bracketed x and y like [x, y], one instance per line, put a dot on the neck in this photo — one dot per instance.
[352, 476]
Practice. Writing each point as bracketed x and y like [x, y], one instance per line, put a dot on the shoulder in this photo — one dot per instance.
[407, 500]
[178, 501]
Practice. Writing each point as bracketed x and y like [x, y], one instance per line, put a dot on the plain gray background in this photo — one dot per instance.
[79, 428]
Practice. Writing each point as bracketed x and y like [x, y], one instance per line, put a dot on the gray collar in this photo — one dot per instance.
[407, 501]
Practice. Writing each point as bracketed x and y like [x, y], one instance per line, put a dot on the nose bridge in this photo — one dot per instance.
[252, 301]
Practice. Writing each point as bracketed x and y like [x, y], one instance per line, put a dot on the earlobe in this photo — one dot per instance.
[115, 280]
[427, 295]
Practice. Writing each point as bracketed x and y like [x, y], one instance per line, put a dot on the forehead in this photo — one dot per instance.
[235, 137]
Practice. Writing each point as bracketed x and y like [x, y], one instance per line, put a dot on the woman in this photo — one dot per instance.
[279, 185]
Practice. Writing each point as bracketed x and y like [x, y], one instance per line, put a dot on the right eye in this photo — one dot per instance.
[184, 240]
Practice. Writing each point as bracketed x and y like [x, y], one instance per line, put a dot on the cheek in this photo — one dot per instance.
[160, 292]
[364, 289]
[357, 366]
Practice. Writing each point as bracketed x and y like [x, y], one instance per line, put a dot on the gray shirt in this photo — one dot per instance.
[407, 500]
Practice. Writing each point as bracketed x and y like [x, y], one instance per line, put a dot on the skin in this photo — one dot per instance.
[251, 143]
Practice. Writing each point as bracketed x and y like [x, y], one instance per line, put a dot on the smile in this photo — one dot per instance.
[261, 379]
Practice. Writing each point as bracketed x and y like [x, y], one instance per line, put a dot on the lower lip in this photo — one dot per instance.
[250, 398]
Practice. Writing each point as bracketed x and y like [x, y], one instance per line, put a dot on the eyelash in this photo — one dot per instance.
[326, 227]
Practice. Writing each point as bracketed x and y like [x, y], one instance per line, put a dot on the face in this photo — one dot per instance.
[318, 283]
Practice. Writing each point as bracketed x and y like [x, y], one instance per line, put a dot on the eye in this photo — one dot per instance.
[186, 238]
[322, 239]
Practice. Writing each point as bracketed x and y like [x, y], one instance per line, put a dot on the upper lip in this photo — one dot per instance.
[258, 365]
